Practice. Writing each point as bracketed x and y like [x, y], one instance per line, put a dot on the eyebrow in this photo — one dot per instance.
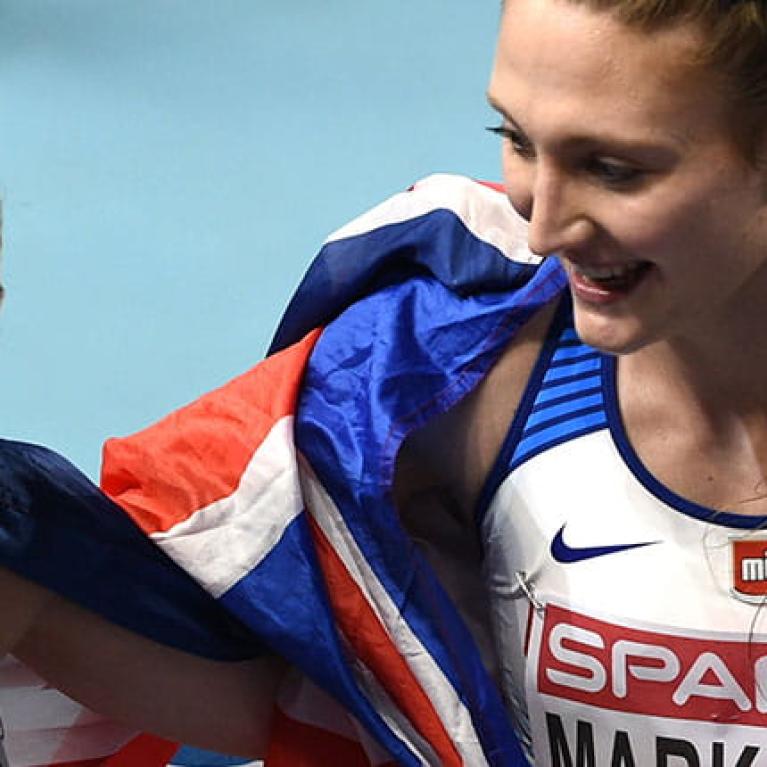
[584, 140]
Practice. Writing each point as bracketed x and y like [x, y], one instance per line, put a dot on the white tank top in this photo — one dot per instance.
[628, 620]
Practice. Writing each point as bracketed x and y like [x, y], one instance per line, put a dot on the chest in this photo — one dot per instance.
[614, 612]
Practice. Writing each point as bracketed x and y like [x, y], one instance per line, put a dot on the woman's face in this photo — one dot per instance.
[617, 151]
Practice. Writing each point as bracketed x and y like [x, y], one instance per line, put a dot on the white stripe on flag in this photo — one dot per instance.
[223, 542]
[485, 212]
[451, 711]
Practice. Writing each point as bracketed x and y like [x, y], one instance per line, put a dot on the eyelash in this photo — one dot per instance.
[613, 174]
[515, 139]
[616, 174]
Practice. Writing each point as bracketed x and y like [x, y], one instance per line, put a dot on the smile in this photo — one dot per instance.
[607, 282]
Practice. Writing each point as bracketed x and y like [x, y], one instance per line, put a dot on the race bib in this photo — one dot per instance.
[602, 694]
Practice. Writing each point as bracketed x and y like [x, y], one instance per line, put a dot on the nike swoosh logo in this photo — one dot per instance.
[569, 554]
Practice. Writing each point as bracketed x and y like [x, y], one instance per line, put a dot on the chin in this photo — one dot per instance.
[612, 336]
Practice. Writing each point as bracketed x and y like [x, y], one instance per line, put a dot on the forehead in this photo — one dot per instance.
[559, 62]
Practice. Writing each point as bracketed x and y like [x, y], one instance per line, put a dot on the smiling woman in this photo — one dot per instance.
[639, 161]
[497, 495]
[640, 192]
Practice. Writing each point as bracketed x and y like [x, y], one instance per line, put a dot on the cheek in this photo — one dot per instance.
[691, 215]
[518, 180]
[654, 229]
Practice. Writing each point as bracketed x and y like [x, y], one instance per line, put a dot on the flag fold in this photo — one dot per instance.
[274, 492]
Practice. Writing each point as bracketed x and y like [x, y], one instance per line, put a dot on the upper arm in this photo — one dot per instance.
[220, 705]
[23, 602]
[442, 470]
[457, 451]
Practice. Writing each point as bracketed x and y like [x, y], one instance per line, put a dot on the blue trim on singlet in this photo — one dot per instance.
[573, 392]
[563, 400]
[501, 466]
[568, 402]
[650, 483]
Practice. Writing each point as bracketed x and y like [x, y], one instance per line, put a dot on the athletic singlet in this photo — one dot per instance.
[627, 619]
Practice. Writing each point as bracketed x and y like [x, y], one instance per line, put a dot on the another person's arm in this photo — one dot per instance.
[225, 706]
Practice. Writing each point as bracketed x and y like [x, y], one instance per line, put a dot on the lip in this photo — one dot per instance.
[591, 293]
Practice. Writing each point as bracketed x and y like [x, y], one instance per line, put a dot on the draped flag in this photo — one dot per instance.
[274, 492]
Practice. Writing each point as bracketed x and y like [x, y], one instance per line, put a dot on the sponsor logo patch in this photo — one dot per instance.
[749, 568]
[631, 670]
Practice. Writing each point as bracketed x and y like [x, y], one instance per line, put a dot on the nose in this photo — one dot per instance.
[555, 212]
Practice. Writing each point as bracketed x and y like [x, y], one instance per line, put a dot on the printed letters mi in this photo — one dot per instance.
[749, 568]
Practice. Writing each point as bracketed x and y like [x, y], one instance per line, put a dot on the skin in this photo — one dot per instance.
[620, 153]
[617, 154]
[217, 705]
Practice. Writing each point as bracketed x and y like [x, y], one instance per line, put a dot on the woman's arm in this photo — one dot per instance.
[442, 469]
[225, 706]
[456, 451]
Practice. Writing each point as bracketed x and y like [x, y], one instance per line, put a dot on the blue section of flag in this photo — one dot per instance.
[284, 600]
[194, 757]
[362, 396]
[437, 244]
[60, 530]
[407, 351]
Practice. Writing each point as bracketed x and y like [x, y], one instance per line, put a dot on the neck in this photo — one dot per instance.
[697, 417]
[722, 365]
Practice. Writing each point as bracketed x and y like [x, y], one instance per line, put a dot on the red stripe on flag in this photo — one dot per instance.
[143, 751]
[373, 646]
[296, 744]
[197, 455]
[493, 185]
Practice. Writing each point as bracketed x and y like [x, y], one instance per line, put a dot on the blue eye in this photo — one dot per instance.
[613, 172]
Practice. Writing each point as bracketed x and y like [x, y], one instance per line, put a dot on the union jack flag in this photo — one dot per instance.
[274, 492]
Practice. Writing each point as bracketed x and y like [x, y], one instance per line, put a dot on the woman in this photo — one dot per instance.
[621, 523]
[618, 486]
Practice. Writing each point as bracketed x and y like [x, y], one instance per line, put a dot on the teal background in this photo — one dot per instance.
[169, 167]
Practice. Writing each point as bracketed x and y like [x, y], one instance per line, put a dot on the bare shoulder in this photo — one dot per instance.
[456, 452]
[442, 469]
